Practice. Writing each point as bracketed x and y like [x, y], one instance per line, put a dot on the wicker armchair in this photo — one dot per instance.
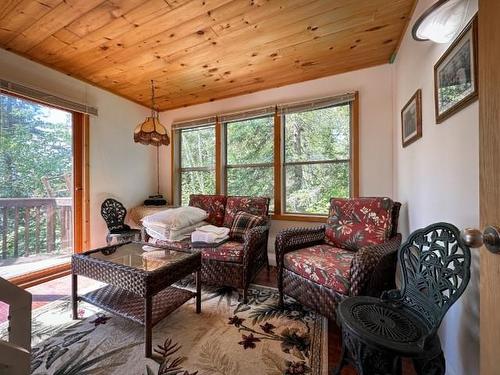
[239, 272]
[320, 266]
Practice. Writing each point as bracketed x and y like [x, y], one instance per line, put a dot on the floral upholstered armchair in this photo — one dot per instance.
[353, 254]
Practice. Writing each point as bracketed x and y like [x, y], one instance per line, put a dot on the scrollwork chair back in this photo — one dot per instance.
[113, 213]
[435, 268]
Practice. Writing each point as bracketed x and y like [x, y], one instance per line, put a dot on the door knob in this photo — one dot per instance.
[490, 238]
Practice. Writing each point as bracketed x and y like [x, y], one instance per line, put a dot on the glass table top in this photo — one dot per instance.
[139, 256]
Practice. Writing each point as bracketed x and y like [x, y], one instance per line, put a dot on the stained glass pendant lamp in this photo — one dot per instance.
[152, 132]
[442, 22]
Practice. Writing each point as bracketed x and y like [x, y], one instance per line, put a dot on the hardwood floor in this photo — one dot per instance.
[51, 291]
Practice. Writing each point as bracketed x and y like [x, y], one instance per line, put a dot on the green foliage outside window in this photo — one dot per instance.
[197, 162]
[251, 142]
[316, 159]
[321, 135]
[35, 143]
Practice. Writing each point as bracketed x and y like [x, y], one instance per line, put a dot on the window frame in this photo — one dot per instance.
[180, 169]
[221, 166]
[313, 162]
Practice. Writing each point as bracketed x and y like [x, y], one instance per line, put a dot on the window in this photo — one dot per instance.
[41, 156]
[197, 162]
[317, 155]
[300, 155]
[250, 157]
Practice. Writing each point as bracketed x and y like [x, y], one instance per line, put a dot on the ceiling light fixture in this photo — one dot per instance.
[442, 22]
[152, 132]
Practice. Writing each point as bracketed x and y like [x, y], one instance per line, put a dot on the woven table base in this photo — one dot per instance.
[131, 306]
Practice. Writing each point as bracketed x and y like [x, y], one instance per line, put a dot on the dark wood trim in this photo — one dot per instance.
[489, 185]
[298, 217]
[277, 164]
[473, 24]
[355, 146]
[42, 276]
[218, 156]
[223, 160]
[81, 182]
[86, 183]
[173, 182]
[417, 97]
[78, 183]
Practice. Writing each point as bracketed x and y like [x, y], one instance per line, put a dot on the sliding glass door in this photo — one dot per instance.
[36, 186]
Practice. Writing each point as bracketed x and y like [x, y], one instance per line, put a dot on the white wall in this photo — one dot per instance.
[119, 167]
[437, 177]
[375, 93]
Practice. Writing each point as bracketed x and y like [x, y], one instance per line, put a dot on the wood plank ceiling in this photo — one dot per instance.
[202, 50]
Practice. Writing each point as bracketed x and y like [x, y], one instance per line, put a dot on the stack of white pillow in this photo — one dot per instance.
[174, 224]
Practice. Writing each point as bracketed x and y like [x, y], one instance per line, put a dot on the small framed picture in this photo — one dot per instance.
[455, 74]
[411, 119]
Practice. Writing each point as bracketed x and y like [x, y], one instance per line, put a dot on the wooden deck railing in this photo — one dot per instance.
[35, 226]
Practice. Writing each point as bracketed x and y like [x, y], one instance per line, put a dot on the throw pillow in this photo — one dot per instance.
[243, 222]
[355, 223]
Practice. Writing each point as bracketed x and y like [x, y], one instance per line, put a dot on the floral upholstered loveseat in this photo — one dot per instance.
[353, 254]
[234, 263]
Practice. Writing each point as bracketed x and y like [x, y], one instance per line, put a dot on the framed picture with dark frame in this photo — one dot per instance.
[411, 119]
[455, 74]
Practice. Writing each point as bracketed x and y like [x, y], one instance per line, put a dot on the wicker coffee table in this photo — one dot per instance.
[139, 282]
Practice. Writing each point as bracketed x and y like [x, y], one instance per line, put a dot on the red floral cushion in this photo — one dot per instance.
[230, 251]
[355, 223]
[215, 205]
[324, 264]
[253, 205]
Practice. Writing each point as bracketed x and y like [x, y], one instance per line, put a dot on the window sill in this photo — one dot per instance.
[296, 217]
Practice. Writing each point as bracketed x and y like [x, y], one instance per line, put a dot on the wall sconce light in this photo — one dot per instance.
[442, 22]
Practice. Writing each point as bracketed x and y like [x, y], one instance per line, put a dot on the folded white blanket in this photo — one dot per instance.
[219, 231]
[175, 218]
[164, 234]
[199, 236]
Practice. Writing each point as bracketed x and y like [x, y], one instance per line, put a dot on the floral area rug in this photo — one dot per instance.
[227, 338]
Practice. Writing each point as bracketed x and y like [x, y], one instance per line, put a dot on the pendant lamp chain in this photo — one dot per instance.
[153, 99]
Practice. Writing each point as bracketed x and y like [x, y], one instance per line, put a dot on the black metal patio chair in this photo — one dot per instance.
[378, 332]
[113, 213]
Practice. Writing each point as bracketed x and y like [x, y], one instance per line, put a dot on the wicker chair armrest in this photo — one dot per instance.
[367, 259]
[254, 241]
[295, 238]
